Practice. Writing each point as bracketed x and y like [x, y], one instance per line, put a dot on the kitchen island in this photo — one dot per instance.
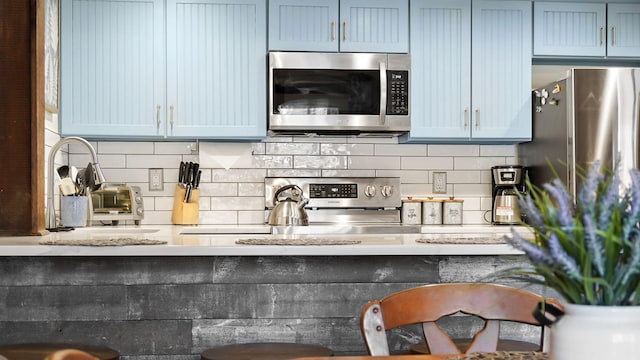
[174, 300]
[243, 241]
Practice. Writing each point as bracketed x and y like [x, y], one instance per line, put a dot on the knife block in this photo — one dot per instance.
[185, 213]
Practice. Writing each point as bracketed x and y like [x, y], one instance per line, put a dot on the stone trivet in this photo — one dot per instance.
[503, 355]
[103, 242]
[296, 242]
[462, 240]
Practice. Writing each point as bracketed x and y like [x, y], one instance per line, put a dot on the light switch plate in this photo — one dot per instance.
[156, 179]
[439, 182]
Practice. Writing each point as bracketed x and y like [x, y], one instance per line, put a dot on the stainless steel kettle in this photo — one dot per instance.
[289, 209]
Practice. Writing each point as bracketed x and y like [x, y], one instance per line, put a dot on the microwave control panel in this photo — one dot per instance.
[397, 92]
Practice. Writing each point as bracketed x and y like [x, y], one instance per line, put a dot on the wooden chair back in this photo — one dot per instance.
[70, 354]
[427, 304]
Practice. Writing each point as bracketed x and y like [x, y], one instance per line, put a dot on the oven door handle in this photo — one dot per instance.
[383, 93]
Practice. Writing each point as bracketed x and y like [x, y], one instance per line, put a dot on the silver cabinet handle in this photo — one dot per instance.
[333, 30]
[601, 35]
[613, 35]
[158, 116]
[466, 117]
[171, 116]
[477, 117]
[344, 31]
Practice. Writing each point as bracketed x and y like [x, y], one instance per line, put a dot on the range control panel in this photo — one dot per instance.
[323, 191]
[360, 192]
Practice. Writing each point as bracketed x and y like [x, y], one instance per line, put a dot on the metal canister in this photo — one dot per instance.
[432, 211]
[411, 211]
[452, 211]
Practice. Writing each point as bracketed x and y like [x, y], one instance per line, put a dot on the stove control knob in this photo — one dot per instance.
[370, 191]
[386, 191]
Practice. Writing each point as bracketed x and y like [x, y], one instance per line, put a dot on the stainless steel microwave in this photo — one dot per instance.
[338, 93]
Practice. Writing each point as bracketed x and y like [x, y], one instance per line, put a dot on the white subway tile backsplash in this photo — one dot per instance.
[406, 176]
[320, 162]
[236, 195]
[464, 190]
[251, 189]
[477, 163]
[464, 177]
[453, 150]
[427, 163]
[219, 189]
[128, 148]
[237, 203]
[292, 149]
[294, 172]
[374, 162]
[497, 150]
[153, 161]
[238, 175]
[401, 149]
[272, 161]
[348, 173]
[346, 149]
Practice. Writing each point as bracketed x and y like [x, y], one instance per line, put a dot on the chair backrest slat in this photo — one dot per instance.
[427, 304]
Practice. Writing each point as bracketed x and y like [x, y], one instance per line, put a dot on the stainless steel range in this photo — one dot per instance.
[344, 204]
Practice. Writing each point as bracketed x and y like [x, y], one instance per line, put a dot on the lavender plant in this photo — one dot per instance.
[585, 247]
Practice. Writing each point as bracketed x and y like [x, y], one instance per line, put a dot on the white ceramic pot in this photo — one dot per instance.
[596, 332]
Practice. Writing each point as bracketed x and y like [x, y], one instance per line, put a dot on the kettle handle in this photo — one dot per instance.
[284, 188]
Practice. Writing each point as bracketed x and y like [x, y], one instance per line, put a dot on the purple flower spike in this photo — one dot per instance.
[590, 186]
[564, 202]
[561, 257]
[536, 254]
[594, 246]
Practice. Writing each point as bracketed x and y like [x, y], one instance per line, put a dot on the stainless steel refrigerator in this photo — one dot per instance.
[592, 114]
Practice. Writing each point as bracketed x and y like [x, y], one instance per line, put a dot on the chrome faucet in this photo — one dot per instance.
[99, 176]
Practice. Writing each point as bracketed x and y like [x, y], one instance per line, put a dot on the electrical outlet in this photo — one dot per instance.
[439, 182]
[156, 179]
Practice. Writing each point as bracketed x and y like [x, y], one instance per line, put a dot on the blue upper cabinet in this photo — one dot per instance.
[623, 38]
[112, 68]
[586, 29]
[334, 25]
[303, 25]
[575, 29]
[471, 71]
[150, 69]
[216, 69]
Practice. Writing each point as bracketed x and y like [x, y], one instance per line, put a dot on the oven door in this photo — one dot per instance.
[316, 92]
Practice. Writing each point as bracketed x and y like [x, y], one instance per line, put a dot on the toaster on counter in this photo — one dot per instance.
[115, 202]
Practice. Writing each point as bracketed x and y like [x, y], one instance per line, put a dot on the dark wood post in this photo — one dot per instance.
[22, 117]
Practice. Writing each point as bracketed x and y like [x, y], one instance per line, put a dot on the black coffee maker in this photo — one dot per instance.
[507, 182]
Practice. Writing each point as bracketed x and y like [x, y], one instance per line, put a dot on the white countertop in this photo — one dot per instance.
[221, 241]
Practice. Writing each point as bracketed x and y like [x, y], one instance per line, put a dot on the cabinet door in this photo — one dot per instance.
[440, 69]
[303, 25]
[570, 29]
[112, 68]
[623, 38]
[374, 26]
[501, 70]
[216, 69]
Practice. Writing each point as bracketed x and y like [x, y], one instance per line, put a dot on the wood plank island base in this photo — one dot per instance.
[498, 355]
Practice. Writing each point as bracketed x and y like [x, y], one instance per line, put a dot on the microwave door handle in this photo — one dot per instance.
[383, 93]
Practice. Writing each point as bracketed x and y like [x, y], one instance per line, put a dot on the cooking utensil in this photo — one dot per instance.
[63, 171]
[67, 186]
[290, 210]
[90, 177]
[80, 184]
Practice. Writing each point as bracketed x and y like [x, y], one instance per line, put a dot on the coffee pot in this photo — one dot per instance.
[288, 209]
[508, 184]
